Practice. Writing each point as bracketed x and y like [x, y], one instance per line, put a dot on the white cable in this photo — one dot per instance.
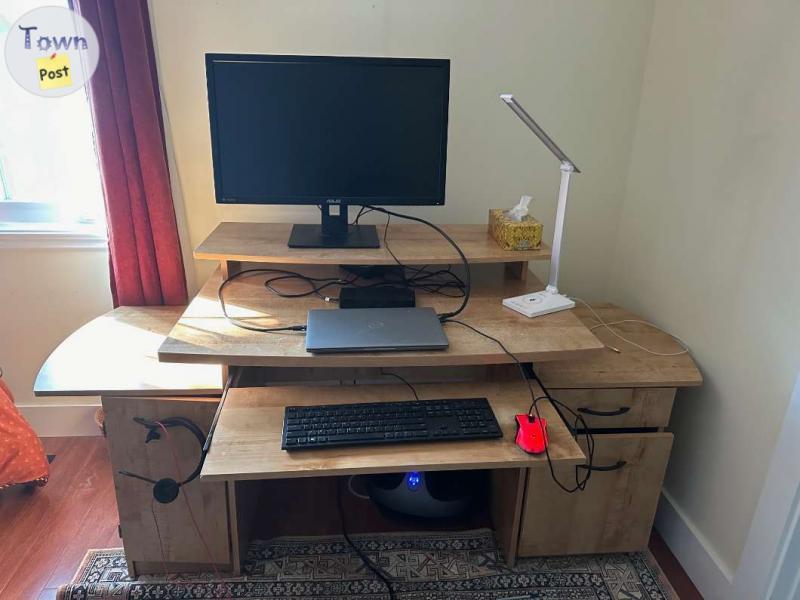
[352, 491]
[607, 325]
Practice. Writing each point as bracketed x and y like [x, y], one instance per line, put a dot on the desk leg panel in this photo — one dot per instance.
[517, 270]
[171, 542]
[243, 502]
[507, 487]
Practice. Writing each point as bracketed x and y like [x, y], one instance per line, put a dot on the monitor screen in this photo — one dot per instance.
[328, 130]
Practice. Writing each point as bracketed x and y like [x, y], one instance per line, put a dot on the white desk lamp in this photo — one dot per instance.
[549, 300]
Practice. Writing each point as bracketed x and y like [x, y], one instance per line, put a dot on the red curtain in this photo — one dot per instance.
[144, 248]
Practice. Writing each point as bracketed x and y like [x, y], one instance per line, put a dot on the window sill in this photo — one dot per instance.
[15, 236]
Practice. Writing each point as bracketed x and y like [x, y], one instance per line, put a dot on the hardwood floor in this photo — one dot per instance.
[678, 578]
[44, 533]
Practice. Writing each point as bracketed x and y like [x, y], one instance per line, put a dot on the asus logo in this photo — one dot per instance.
[333, 201]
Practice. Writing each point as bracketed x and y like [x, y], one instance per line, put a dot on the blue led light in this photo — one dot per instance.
[413, 480]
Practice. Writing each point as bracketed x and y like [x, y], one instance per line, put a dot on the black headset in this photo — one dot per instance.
[167, 489]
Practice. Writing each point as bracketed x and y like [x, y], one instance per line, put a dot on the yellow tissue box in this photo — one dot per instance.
[514, 235]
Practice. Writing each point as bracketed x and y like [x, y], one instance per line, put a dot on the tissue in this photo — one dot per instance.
[520, 210]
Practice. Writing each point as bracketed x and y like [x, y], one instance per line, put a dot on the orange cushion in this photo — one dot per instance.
[22, 456]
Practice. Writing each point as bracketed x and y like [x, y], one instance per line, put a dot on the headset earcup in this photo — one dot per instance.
[166, 490]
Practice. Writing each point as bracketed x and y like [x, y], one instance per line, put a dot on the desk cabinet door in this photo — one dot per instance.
[613, 514]
[182, 547]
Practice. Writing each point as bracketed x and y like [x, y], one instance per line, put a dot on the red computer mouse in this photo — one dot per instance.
[531, 434]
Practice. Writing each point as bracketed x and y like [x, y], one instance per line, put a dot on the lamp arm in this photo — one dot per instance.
[523, 115]
[567, 168]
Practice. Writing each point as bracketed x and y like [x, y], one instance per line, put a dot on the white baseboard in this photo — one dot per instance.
[712, 577]
[62, 420]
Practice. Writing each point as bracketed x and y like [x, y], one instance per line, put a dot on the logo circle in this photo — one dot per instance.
[51, 51]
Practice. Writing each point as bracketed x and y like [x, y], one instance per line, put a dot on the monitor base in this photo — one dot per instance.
[335, 231]
[311, 236]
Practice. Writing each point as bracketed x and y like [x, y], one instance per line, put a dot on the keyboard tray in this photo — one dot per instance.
[247, 441]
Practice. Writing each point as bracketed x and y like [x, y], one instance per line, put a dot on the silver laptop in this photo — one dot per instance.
[374, 330]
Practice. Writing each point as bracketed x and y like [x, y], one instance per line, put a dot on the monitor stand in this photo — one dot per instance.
[334, 232]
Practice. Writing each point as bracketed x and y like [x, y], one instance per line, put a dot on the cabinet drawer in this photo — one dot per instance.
[613, 514]
[620, 407]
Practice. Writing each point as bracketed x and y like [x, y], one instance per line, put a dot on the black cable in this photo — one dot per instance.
[232, 321]
[386, 240]
[419, 273]
[467, 280]
[580, 482]
[462, 286]
[424, 279]
[317, 285]
[379, 573]
[431, 281]
[404, 380]
[360, 214]
[433, 287]
[578, 425]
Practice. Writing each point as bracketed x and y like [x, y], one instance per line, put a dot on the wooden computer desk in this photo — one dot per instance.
[116, 356]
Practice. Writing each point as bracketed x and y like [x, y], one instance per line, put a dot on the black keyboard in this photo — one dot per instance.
[330, 425]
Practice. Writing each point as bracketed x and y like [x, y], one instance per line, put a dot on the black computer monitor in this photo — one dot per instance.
[328, 131]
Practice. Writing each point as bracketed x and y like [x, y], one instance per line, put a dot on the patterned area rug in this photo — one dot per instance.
[423, 566]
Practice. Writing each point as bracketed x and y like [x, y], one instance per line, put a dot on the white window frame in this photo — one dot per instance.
[29, 225]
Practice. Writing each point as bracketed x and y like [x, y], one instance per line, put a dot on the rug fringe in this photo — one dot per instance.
[85, 562]
[662, 577]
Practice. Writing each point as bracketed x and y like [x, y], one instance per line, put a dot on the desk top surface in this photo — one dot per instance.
[411, 243]
[117, 354]
[632, 366]
[203, 335]
[247, 440]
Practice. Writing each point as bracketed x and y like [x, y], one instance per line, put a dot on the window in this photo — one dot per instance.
[49, 176]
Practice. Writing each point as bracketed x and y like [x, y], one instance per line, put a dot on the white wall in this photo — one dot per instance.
[575, 65]
[708, 242]
[46, 294]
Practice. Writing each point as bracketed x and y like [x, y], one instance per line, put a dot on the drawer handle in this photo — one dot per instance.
[618, 465]
[604, 413]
